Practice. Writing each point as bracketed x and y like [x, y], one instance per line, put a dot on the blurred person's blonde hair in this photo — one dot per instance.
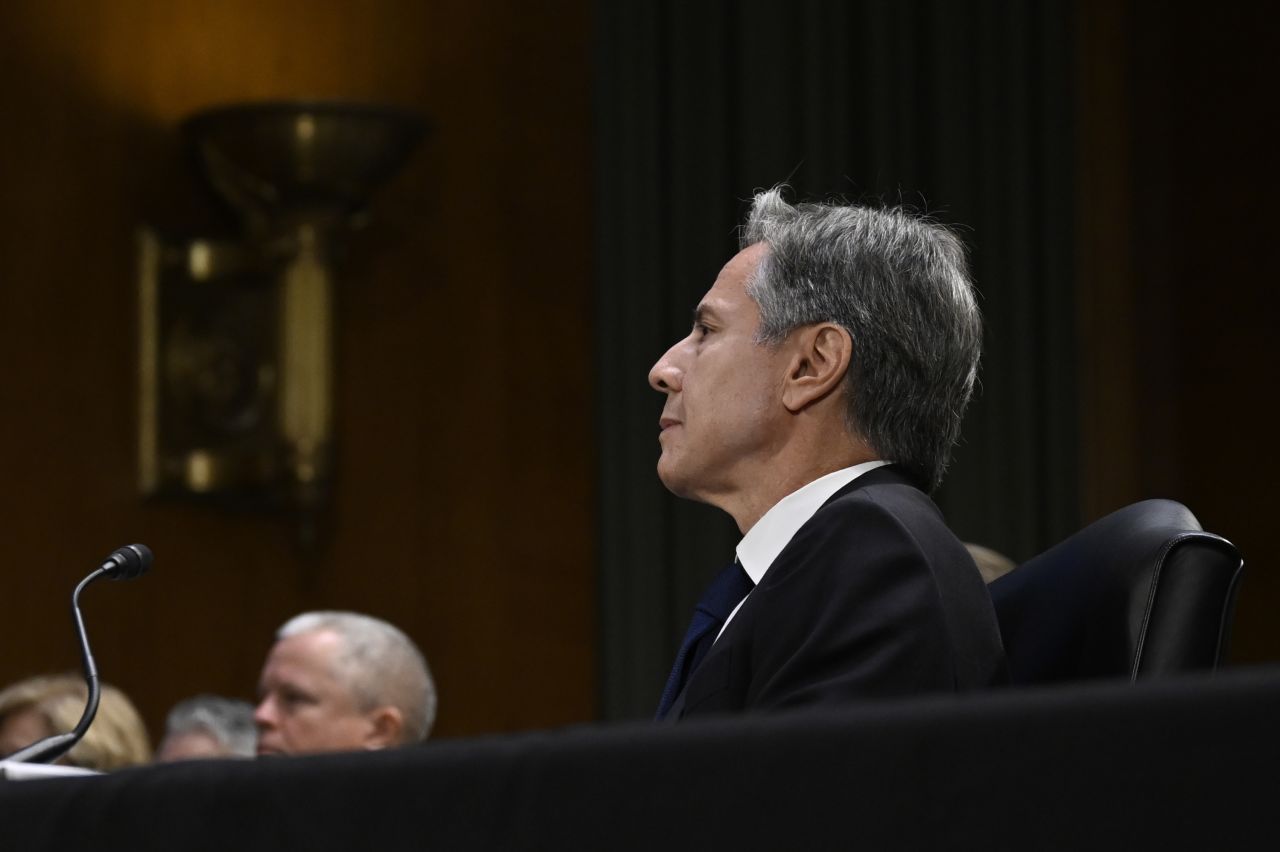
[992, 564]
[117, 737]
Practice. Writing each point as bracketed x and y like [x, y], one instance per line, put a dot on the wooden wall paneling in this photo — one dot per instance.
[463, 509]
[1176, 214]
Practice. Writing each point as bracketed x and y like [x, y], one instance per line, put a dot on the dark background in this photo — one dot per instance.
[1110, 164]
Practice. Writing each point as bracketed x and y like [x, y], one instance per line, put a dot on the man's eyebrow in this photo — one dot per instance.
[702, 313]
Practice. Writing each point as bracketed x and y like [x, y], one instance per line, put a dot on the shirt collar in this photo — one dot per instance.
[764, 541]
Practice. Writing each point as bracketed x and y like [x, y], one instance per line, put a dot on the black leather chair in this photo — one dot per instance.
[1141, 593]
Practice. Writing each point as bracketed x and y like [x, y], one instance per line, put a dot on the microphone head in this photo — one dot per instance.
[125, 563]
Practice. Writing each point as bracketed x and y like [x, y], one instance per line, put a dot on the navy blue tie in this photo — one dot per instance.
[726, 591]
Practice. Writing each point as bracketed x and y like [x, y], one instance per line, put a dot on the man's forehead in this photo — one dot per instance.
[746, 260]
[706, 310]
[314, 650]
[742, 265]
[728, 294]
[322, 641]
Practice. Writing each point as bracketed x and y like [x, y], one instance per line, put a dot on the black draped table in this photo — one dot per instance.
[1185, 763]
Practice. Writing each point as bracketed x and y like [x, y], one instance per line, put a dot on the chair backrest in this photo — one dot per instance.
[1141, 593]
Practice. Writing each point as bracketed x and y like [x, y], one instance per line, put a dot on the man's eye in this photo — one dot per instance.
[701, 329]
[293, 698]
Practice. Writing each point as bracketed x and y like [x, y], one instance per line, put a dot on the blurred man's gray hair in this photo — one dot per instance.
[226, 720]
[379, 663]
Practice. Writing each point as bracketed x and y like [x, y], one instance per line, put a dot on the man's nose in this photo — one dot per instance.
[665, 376]
[264, 715]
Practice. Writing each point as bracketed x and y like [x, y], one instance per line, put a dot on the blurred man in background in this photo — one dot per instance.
[208, 726]
[342, 681]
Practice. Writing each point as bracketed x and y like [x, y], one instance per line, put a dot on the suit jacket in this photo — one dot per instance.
[873, 597]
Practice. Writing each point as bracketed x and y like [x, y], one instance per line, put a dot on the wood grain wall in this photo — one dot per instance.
[1177, 217]
[464, 505]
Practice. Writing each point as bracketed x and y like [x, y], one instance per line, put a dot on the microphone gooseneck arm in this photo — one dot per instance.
[51, 748]
[124, 563]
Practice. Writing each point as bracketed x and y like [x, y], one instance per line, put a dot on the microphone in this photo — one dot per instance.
[127, 562]
[124, 563]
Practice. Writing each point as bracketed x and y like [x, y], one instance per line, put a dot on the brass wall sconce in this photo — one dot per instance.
[236, 335]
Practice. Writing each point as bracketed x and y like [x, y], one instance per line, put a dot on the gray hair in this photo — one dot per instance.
[379, 663]
[228, 721]
[899, 284]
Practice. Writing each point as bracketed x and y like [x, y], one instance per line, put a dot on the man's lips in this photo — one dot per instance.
[666, 423]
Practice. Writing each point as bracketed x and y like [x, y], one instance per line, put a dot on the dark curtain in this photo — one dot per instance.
[962, 110]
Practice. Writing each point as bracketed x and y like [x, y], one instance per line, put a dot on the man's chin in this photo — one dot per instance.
[669, 477]
[674, 480]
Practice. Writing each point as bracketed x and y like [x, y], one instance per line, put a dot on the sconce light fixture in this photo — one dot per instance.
[236, 348]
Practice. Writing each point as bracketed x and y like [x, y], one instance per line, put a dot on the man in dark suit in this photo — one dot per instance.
[816, 400]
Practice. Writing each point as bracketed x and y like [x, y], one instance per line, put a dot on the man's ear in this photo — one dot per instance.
[821, 357]
[386, 728]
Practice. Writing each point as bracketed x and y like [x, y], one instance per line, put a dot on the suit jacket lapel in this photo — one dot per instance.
[890, 474]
